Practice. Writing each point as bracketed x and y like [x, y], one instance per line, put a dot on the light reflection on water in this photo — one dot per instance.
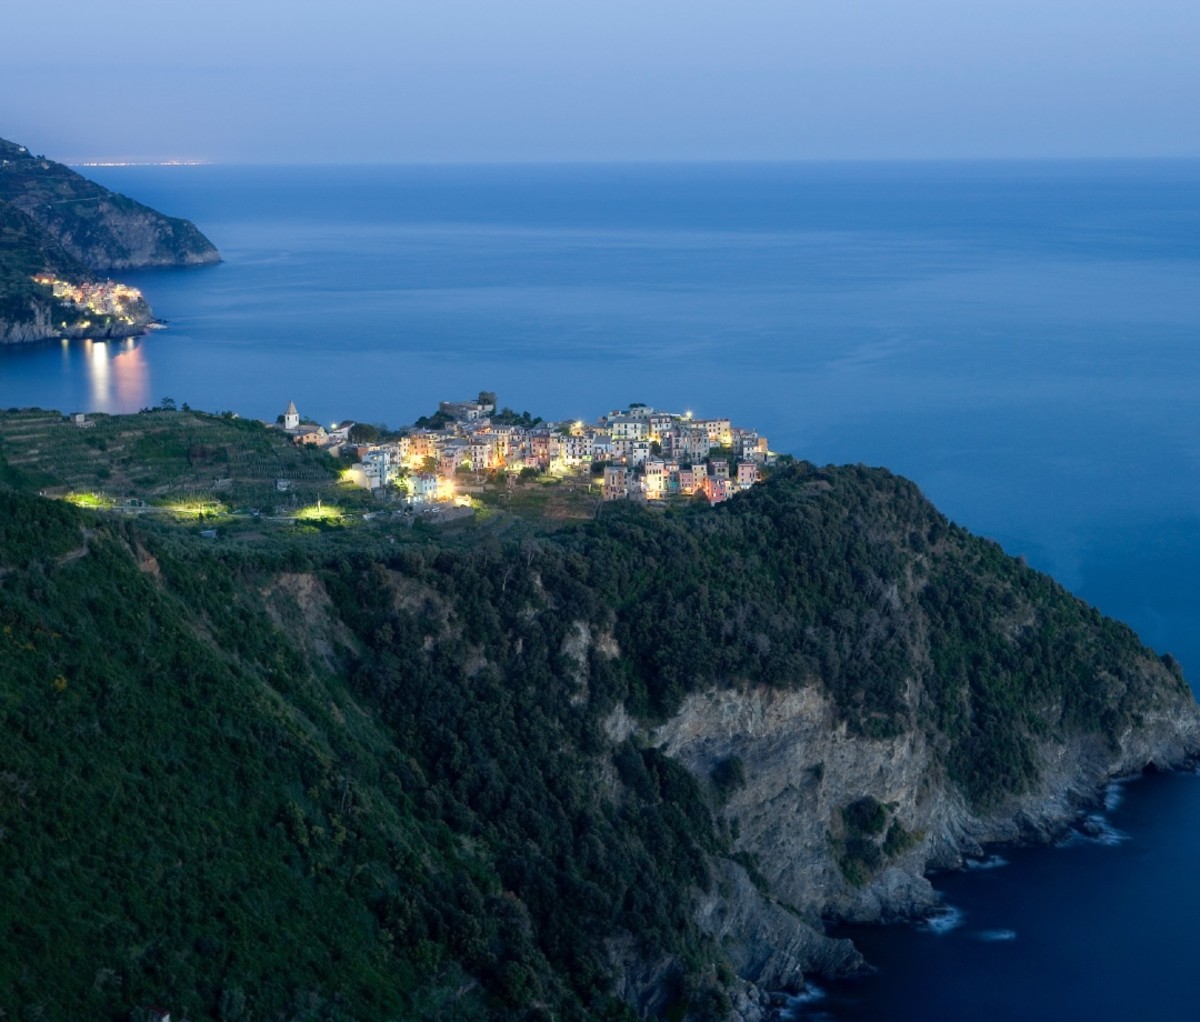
[130, 375]
[98, 375]
[118, 375]
[89, 375]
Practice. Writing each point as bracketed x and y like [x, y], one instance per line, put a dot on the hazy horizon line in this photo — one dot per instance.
[96, 163]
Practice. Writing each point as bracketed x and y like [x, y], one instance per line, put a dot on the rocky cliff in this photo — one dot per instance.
[811, 789]
[841, 818]
[863, 691]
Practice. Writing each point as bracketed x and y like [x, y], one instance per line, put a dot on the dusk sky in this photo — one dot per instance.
[269, 81]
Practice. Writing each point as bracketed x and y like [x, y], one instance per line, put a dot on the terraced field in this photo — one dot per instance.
[163, 457]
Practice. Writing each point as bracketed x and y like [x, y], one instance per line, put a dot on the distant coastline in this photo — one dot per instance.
[137, 163]
[61, 234]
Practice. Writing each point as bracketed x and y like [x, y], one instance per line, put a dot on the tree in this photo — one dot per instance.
[364, 433]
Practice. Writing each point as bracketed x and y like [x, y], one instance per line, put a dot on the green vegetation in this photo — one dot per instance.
[727, 776]
[355, 774]
[197, 813]
[95, 501]
[507, 417]
[865, 817]
[898, 839]
[438, 420]
[861, 845]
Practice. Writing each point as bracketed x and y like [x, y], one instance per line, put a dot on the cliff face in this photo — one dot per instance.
[1010, 705]
[54, 221]
[936, 696]
[110, 232]
[803, 770]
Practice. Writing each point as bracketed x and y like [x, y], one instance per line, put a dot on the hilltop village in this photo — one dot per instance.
[635, 453]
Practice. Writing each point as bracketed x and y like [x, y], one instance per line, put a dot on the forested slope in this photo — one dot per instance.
[421, 779]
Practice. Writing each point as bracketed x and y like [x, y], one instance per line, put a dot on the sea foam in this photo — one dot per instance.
[1114, 795]
[800, 1006]
[942, 921]
[991, 862]
[1096, 829]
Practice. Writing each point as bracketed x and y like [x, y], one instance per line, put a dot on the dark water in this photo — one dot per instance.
[1097, 929]
[1022, 339]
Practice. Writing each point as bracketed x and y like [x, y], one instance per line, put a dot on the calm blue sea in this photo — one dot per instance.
[1022, 339]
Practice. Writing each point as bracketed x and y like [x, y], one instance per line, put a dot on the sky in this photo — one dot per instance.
[394, 81]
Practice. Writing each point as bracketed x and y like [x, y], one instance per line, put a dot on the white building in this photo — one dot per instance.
[627, 427]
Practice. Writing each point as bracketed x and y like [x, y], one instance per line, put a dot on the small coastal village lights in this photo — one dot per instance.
[104, 299]
[644, 453]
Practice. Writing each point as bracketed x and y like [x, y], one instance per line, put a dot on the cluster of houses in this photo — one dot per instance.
[105, 298]
[637, 452]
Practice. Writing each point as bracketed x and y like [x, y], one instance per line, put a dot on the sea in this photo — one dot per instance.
[1022, 339]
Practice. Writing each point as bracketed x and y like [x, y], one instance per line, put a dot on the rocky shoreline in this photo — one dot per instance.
[802, 769]
[763, 1001]
[41, 329]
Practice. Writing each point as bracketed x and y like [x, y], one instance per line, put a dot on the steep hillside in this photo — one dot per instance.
[103, 230]
[626, 768]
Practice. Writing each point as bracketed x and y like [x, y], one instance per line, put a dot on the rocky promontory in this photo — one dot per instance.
[56, 224]
[927, 697]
